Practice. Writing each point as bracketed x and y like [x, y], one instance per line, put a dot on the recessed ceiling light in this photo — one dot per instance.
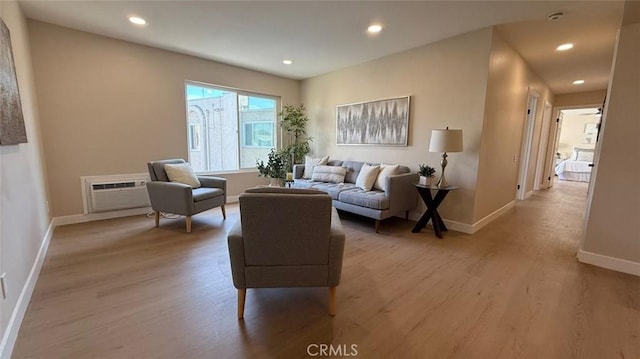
[137, 20]
[287, 62]
[564, 47]
[578, 82]
[374, 28]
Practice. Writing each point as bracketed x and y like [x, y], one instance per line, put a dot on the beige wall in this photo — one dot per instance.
[613, 219]
[578, 99]
[109, 106]
[23, 203]
[509, 83]
[446, 81]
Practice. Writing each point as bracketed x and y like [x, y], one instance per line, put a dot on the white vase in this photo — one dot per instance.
[275, 182]
[426, 181]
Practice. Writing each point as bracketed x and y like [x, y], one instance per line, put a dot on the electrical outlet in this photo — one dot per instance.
[3, 287]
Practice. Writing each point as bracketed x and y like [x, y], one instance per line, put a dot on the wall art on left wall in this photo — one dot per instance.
[12, 130]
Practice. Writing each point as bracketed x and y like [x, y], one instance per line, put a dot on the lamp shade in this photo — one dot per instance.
[445, 140]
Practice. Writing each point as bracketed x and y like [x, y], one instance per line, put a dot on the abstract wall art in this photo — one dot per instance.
[12, 129]
[382, 123]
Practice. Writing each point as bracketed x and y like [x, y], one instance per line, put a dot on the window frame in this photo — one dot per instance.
[238, 92]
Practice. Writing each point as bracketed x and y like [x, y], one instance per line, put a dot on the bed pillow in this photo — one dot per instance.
[182, 173]
[330, 174]
[367, 177]
[584, 156]
[385, 171]
[309, 163]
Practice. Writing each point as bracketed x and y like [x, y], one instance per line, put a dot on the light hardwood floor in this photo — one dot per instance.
[124, 289]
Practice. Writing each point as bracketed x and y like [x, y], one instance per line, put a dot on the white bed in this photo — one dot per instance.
[577, 167]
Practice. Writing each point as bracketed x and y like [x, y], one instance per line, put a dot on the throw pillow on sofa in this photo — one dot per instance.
[385, 171]
[309, 163]
[182, 173]
[331, 174]
[367, 177]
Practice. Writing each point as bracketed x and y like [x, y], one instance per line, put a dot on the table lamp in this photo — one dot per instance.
[445, 141]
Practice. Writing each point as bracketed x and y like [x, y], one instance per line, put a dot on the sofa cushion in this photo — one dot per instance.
[385, 171]
[202, 193]
[362, 198]
[353, 169]
[333, 189]
[309, 163]
[367, 177]
[331, 174]
[302, 183]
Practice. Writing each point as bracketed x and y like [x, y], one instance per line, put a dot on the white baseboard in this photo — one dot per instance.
[469, 228]
[528, 194]
[233, 199]
[458, 226]
[493, 216]
[82, 218]
[11, 334]
[616, 264]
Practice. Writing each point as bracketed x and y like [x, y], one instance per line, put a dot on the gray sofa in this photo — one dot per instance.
[398, 198]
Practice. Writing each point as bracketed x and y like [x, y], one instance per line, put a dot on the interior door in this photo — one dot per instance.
[543, 148]
[551, 158]
[525, 151]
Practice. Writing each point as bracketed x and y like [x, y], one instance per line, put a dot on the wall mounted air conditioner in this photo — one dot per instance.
[114, 192]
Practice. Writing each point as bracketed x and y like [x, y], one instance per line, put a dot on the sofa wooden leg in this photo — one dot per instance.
[188, 218]
[242, 293]
[224, 212]
[377, 226]
[332, 301]
[157, 215]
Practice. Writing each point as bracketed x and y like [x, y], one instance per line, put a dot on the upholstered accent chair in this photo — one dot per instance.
[182, 199]
[286, 238]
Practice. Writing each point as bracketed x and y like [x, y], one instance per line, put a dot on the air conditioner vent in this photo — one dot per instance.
[97, 187]
[114, 192]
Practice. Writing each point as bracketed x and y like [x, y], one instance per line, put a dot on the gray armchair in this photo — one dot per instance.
[286, 238]
[178, 198]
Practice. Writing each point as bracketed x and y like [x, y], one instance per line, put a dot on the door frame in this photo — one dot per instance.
[542, 147]
[553, 145]
[527, 143]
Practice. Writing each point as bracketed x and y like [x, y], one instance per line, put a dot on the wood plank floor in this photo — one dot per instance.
[124, 289]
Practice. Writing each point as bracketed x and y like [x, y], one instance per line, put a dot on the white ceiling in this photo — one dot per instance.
[323, 36]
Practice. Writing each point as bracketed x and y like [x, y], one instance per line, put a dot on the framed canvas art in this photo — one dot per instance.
[12, 130]
[381, 123]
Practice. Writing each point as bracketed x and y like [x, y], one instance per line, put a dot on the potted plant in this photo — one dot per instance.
[275, 168]
[427, 173]
[294, 123]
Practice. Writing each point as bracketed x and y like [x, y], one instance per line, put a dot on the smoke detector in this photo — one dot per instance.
[555, 15]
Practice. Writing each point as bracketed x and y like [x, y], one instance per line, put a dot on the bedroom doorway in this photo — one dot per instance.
[575, 144]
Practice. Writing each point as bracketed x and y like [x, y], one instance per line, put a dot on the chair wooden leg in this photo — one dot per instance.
[157, 215]
[188, 218]
[242, 293]
[332, 301]
[377, 226]
[224, 212]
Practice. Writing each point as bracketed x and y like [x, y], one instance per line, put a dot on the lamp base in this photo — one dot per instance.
[442, 183]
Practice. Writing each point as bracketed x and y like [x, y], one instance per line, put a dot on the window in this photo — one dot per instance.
[258, 134]
[228, 129]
